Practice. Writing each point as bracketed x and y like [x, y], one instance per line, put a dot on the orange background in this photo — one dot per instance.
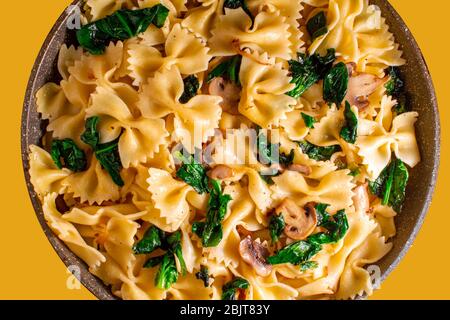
[30, 269]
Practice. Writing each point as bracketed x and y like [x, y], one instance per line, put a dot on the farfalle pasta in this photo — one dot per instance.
[211, 149]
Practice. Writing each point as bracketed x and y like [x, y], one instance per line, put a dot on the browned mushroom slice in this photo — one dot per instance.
[361, 198]
[221, 172]
[360, 87]
[255, 254]
[229, 92]
[305, 170]
[300, 222]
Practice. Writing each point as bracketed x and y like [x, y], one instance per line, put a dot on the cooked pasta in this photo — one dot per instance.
[220, 149]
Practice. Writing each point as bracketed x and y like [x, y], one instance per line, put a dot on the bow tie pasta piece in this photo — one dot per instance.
[141, 138]
[44, 174]
[169, 199]
[358, 32]
[234, 31]
[190, 288]
[201, 20]
[335, 189]
[93, 185]
[182, 49]
[355, 280]
[194, 121]
[66, 59]
[67, 232]
[294, 125]
[264, 87]
[291, 10]
[377, 145]
[360, 227]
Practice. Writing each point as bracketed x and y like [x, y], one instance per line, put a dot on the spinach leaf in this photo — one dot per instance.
[203, 275]
[309, 70]
[158, 239]
[269, 153]
[395, 87]
[228, 70]
[211, 230]
[308, 265]
[317, 25]
[151, 241]
[231, 289]
[234, 4]
[91, 136]
[335, 84]
[193, 173]
[322, 215]
[295, 253]
[73, 157]
[390, 186]
[309, 121]
[107, 154]
[349, 131]
[318, 153]
[276, 227]
[191, 86]
[167, 273]
[267, 178]
[121, 25]
[336, 229]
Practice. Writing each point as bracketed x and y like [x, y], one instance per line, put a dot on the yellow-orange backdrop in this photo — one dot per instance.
[30, 269]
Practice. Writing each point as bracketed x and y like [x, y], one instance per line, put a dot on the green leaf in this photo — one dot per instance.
[390, 186]
[335, 84]
[91, 136]
[191, 87]
[153, 262]
[151, 241]
[217, 208]
[276, 227]
[167, 274]
[203, 275]
[317, 25]
[322, 215]
[295, 253]
[336, 230]
[395, 87]
[174, 245]
[230, 290]
[269, 153]
[308, 265]
[349, 131]
[228, 70]
[234, 4]
[73, 157]
[267, 177]
[309, 70]
[193, 173]
[309, 121]
[108, 156]
[318, 153]
[121, 25]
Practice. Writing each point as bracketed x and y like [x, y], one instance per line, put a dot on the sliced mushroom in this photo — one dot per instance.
[229, 92]
[361, 198]
[61, 204]
[255, 254]
[300, 222]
[305, 170]
[221, 172]
[361, 86]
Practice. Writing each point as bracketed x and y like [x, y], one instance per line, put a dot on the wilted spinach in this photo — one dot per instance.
[152, 240]
[395, 87]
[276, 227]
[349, 131]
[73, 157]
[228, 70]
[390, 186]
[204, 276]
[107, 154]
[309, 121]
[308, 70]
[335, 84]
[269, 153]
[193, 173]
[317, 25]
[121, 25]
[318, 153]
[295, 253]
[231, 289]
[234, 4]
[191, 86]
